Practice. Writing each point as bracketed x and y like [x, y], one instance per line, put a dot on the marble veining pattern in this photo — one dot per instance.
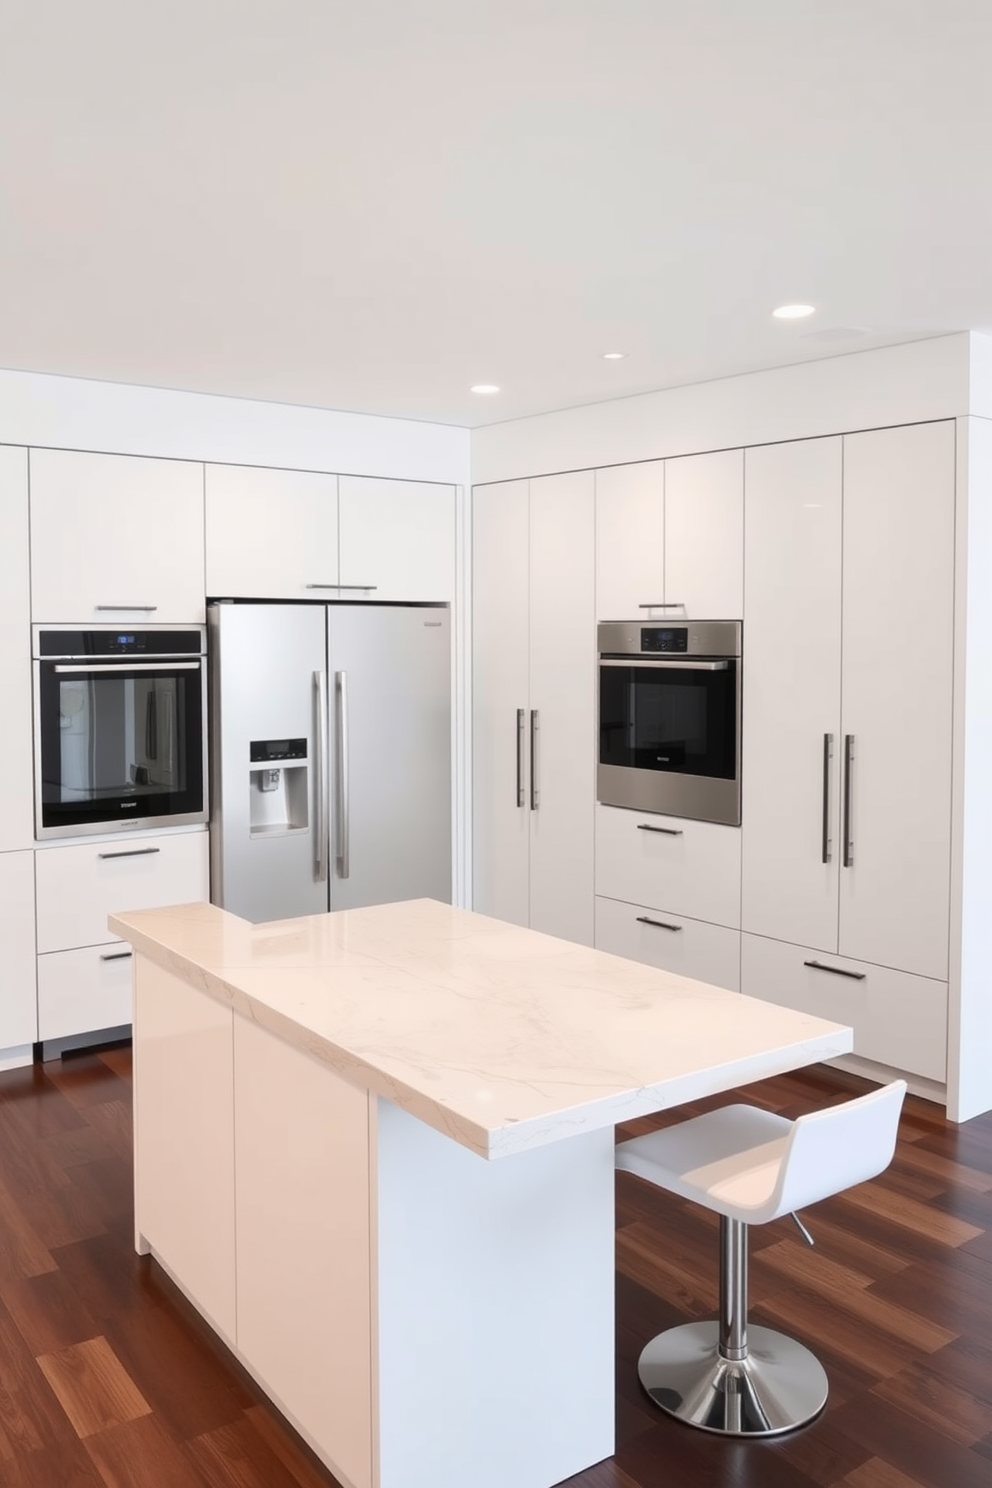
[500, 1037]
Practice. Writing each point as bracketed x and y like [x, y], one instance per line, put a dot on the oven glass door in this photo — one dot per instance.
[120, 742]
[674, 716]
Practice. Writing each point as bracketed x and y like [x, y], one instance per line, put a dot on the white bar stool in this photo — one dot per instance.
[752, 1167]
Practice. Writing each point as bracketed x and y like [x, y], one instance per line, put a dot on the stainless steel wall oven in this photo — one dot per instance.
[119, 729]
[670, 718]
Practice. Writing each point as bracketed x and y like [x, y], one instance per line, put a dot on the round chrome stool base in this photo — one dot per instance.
[779, 1386]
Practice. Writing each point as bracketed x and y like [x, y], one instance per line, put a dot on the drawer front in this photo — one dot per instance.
[82, 991]
[898, 1019]
[79, 886]
[693, 868]
[691, 948]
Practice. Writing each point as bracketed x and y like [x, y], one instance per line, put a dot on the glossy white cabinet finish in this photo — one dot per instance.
[670, 941]
[270, 534]
[630, 539]
[83, 990]
[79, 886]
[898, 1020]
[534, 692]
[704, 535]
[115, 538]
[398, 538]
[691, 867]
[18, 998]
[16, 779]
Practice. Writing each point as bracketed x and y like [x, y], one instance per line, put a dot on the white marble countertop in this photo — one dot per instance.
[499, 1037]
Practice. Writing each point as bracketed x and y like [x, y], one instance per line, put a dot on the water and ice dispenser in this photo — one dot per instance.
[278, 786]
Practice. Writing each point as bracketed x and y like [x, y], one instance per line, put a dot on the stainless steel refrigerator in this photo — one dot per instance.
[330, 745]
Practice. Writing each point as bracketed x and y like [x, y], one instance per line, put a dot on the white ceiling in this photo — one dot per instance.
[371, 204]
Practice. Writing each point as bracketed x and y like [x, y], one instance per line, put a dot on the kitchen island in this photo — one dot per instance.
[375, 1149]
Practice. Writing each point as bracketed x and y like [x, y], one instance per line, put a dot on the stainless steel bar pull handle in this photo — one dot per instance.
[520, 757]
[117, 956]
[665, 831]
[132, 852]
[658, 924]
[658, 604]
[535, 728]
[828, 754]
[344, 785]
[366, 588]
[687, 664]
[848, 775]
[126, 666]
[136, 609]
[322, 826]
[855, 976]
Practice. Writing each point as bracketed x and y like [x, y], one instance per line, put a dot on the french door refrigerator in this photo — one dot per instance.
[330, 745]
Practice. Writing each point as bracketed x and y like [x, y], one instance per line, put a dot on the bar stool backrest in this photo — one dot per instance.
[836, 1148]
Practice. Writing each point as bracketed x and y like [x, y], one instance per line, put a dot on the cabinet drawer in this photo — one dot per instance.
[691, 867]
[82, 991]
[78, 887]
[898, 1019]
[708, 953]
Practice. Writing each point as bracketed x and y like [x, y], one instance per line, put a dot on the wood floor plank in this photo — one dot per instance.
[911, 1214]
[48, 1311]
[876, 1473]
[136, 1453]
[910, 1445]
[92, 1386]
[946, 1407]
[236, 1456]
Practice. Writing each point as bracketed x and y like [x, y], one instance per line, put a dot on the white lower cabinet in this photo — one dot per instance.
[18, 999]
[692, 867]
[670, 942]
[83, 991]
[898, 1019]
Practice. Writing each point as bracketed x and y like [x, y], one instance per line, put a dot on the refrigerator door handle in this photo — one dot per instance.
[320, 779]
[344, 826]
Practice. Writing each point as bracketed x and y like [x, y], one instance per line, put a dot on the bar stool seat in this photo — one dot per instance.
[751, 1167]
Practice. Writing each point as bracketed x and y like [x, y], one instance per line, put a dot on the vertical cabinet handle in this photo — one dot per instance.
[520, 757]
[344, 785]
[848, 775]
[828, 754]
[535, 726]
[321, 828]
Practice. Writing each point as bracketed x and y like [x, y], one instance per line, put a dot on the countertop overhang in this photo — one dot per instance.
[500, 1037]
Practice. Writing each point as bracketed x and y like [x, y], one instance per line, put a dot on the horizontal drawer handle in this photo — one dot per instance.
[131, 852]
[144, 609]
[666, 831]
[663, 604]
[365, 587]
[117, 956]
[659, 924]
[855, 976]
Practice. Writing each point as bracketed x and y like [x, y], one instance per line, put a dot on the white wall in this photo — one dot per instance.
[869, 389]
[72, 413]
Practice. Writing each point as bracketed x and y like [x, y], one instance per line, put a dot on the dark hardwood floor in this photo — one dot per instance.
[108, 1379]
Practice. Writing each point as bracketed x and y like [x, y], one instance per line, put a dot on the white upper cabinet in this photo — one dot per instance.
[704, 536]
[16, 817]
[115, 538]
[397, 540]
[630, 539]
[898, 614]
[792, 645]
[271, 534]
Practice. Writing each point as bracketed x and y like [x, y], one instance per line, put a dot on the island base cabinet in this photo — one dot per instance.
[670, 942]
[899, 1020]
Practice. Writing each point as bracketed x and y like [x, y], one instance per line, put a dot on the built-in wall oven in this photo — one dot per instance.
[670, 718]
[119, 728]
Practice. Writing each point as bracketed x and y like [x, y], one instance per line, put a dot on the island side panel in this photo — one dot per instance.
[304, 1282]
[495, 1309]
[184, 1139]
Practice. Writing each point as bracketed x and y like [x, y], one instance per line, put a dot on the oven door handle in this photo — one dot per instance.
[128, 666]
[689, 664]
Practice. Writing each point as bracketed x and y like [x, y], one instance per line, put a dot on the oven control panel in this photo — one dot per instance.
[667, 638]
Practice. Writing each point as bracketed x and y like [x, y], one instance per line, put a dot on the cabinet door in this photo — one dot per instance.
[271, 534]
[16, 793]
[115, 537]
[563, 700]
[397, 539]
[704, 535]
[897, 658]
[630, 541]
[18, 996]
[792, 692]
[500, 701]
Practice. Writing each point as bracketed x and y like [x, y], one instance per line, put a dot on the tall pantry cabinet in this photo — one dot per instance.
[533, 715]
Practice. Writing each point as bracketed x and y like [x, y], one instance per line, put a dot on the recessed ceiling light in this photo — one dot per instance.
[794, 312]
[613, 356]
[484, 387]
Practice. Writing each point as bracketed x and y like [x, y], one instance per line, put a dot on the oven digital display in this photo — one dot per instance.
[667, 638]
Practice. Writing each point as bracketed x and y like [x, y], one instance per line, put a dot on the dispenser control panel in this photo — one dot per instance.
[269, 751]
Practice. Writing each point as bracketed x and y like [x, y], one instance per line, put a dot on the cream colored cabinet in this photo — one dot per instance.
[669, 539]
[534, 703]
[691, 867]
[397, 540]
[848, 635]
[18, 996]
[670, 941]
[16, 793]
[270, 534]
[115, 538]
